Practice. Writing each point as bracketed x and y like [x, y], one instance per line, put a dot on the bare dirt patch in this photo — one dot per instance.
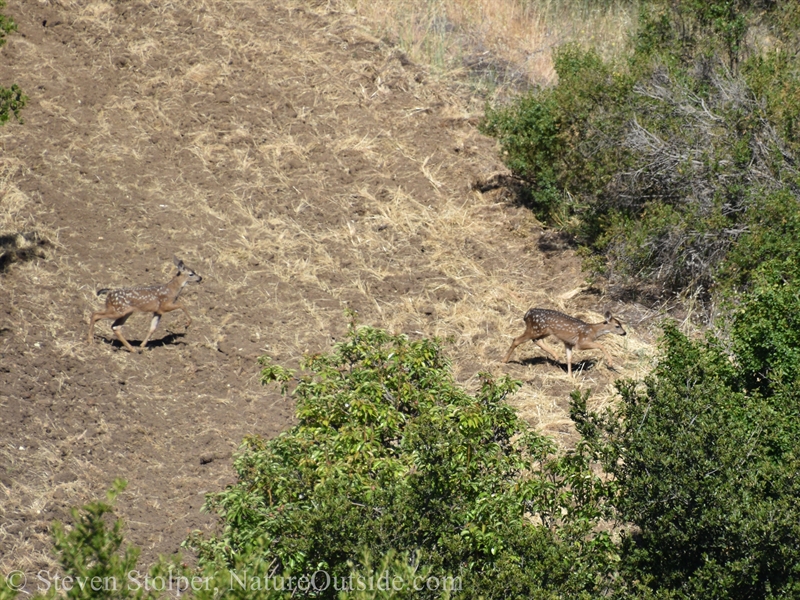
[301, 167]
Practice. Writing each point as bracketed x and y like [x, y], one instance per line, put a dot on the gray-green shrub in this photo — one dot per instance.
[657, 166]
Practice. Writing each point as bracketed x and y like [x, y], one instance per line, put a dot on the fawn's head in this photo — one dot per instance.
[190, 275]
[614, 325]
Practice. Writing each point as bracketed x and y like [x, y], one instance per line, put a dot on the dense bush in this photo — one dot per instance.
[94, 561]
[760, 280]
[706, 466]
[677, 172]
[390, 455]
[657, 166]
[545, 136]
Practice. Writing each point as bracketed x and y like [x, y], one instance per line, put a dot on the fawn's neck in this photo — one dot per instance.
[176, 284]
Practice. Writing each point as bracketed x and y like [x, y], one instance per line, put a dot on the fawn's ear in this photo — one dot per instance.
[178, 263]
[608, 316]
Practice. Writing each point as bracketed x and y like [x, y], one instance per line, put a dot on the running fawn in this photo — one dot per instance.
[574, 333]
[157, 299]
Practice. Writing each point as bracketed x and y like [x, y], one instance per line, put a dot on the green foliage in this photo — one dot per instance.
[93, 562]
[396, 483]
[683, 32]
[760, 280]
[12, 100]
[528, 134]
[706, 471]
[7, 25]
[390, 455]
[774, 79]
[6, 591]
[721, 21]
[546, 136]
[770, 250]
[786, 20]
[394, 577]
[767, 334]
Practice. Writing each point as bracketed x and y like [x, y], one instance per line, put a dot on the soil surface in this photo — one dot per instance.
[301, 166]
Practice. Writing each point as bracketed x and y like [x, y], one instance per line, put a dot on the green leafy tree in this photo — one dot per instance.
[395, 476]
[391, 456]
[94, 561]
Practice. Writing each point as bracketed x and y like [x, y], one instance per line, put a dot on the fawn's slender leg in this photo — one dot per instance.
[569, 360]
[596, 346]
[153, 325]
[528, 335]
[157, 317]
[186, 312]
[546, 348]
[164, 308]
[117, 328]
[103, 314]
[95, 317]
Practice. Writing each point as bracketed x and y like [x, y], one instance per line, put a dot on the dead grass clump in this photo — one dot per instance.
[51, 481]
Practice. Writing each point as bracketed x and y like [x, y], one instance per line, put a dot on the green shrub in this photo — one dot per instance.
[12, 100]
[548, 136]
[786, 20]
[394, 477]
[770, 248]
[706, 469]
[759, 283]
[390, 455]
[6, 591]
[7, 25]
[657, 167]
[93, 562]
[90, 550]
[767, 335]
[774, 78]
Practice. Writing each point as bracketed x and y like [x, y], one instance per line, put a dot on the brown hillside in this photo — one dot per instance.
[300, 166]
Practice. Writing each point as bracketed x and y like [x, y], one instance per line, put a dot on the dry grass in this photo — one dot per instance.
[15, 214]
[501, 42]
[28, 497]
[492, 295]
[22, 236]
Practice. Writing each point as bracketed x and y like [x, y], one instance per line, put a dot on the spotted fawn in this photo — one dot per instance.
[574, 333]
[157, 299]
